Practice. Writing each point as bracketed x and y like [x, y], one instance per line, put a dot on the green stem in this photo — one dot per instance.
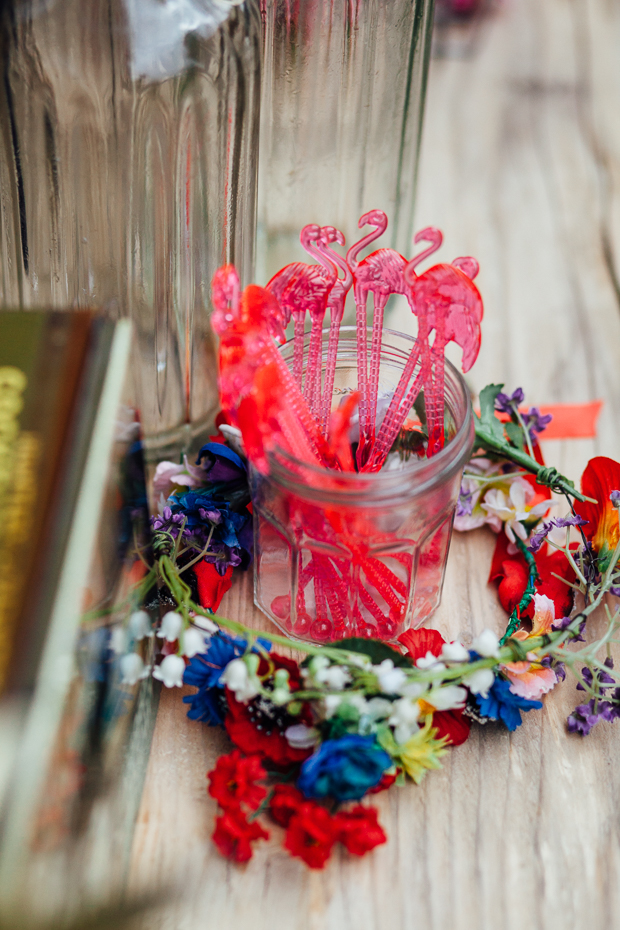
[549, 477]
[528, 594]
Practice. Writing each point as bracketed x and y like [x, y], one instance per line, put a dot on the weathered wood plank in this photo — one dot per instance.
[521, 168]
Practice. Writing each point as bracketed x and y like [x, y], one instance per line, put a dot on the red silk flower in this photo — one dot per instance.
[234, 834]
[244, 720]
[359, 829]
[233, 781]
[311, 834]
[601, 477]
[211, 585]
[285, 803]
[511, 573]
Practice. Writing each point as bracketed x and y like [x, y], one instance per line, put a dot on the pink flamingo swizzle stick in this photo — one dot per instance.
[458, 312]
[299, 287]
[447, 301]
[378, 219]
[312, 384]
[381, 272]
[335, 303]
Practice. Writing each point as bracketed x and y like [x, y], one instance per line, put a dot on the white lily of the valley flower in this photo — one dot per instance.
[447, 698]
[486, 645]
[413, 689]
[454, 652]
[238, 679]
[358, 701]
[140, 625]
[334, 676]
[378, 708]
[193, 642]
[404, 719]
[133, 668]
[359, 660]
[118, 640]
[317, 664]
[480, 681]
[204, 623]
[170, 671]
[390, 679]
[171, 626]
[299, 736]
[332, 702]
[429, 661]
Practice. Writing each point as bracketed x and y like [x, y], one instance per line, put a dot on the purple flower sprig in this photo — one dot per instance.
[535, 422]
[537, 539]
[602, 706]
[506, 403]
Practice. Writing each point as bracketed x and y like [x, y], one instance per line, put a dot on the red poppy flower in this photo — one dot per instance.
[359, 829]
[285, 802]
[311, 834]
[233, 780]
[601, 477]
[452, 724]
[512, 573]
[257, 728]
[211, 585]
[419, 642]
[233, 835]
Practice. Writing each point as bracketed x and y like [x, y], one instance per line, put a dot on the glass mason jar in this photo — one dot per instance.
[343, 554]
[128, 167]
[342, 102]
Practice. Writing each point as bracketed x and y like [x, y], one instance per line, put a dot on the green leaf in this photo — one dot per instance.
[515, 435]
[339, 725]
[488, 420]
[375, 650]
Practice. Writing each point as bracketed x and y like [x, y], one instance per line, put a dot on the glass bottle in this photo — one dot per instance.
[128, 134]
[341, 114]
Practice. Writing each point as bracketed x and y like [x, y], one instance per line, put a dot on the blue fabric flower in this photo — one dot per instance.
[343, 768]
[205, 673]
[502, 704]
[221, 463]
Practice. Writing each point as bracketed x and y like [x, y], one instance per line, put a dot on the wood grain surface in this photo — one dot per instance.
[521, 168]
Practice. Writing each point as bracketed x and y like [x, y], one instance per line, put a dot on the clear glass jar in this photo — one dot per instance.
[128, 160]
[342, 102]
[344, 554]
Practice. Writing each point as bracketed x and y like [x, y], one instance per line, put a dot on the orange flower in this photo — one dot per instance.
[601, 477]
[532, 679]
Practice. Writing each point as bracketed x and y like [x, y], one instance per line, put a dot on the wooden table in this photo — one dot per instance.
[521, 168]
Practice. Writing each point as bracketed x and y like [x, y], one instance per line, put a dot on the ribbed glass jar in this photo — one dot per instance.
[128, 161]
[344, 554]
[342, 102]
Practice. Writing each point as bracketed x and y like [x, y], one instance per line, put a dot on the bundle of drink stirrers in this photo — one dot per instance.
[291, 411]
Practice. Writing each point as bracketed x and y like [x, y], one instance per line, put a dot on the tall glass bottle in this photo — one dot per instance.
[341, 114]
[128, 136]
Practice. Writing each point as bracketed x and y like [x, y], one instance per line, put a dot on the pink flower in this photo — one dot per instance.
[529, 679]
[168, 474]
[532, 679]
